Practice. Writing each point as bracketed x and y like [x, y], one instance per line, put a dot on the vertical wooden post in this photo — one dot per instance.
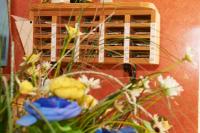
[53, 38]
[101, 39]
[126, 38]
[154, 38]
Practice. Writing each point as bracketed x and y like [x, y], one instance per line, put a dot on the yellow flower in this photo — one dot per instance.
[33, 70]
[46, 65]
[66, 87]
[26, 87]
[119, 106]
[33, 58]
[188, 55]
[88, 101]
[72, 32]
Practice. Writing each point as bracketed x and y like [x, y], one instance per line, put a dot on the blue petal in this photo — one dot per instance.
[46, 103]
[105, 131]
[54, 108]
[52, 102]
[30, 110]
[63, 103]
[26, 120]
[56, 111]
[99, 130]
[72, 113]
[102, 130]
[66, 115]
[127, 130]
[61, 111]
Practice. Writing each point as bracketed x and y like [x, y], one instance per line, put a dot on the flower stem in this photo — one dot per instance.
[34, 76]
[12, 70]
[43, 117]
[98, 73]
[66, 42]
[9, 108]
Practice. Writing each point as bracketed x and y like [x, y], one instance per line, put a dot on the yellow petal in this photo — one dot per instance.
[89, 101]
[32, 70]
[69, 93]
[72, 32]
[65, 82]
[26, 87]
[166, 125]
[118, 106]
[32, 58]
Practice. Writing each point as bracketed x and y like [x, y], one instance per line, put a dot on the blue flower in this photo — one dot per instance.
[53, 108]
[102, 130]
[122, 130]
[127, 130]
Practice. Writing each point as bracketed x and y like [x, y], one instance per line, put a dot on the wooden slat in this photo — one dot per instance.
[47, 46]
[94, 24]
[114, 36]
[114, 25]
[41, 36]
[140, 24]
[82, 46]
[92, 13]
[64, 25]
[118, 5]
[41, 25]
[139, 48]
[131, 36]
[140, 36]
[130, 48]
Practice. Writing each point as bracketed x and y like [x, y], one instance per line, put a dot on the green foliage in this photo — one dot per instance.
[5, 107]
[34, 129]
[39, 127]
[148, 126]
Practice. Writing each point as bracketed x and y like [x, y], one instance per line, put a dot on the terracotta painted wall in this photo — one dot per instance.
[180, 27]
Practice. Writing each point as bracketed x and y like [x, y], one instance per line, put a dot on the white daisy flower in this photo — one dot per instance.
[91, 83]
[142, 88]
[136, 93]
[46, 65]
[160, 125]
[145, 82]
[170, 85]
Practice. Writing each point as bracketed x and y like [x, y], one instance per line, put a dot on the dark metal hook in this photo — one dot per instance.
[131, 70]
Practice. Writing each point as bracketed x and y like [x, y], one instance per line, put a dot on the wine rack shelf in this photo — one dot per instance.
[122, 32]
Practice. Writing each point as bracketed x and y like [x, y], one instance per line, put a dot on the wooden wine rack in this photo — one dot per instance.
[124, 32]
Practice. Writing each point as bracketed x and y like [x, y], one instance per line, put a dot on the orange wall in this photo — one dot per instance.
[180, 27]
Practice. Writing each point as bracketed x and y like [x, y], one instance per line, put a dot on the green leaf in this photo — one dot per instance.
[60, 128]
[75, 131]
[43, 117]
[139, 128]
[2, 127]
[148, 126]
[34, 129]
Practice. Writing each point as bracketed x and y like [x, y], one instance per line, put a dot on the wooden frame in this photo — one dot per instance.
[135, 24]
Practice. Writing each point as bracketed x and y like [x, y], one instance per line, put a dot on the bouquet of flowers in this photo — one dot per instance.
[40, 99]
